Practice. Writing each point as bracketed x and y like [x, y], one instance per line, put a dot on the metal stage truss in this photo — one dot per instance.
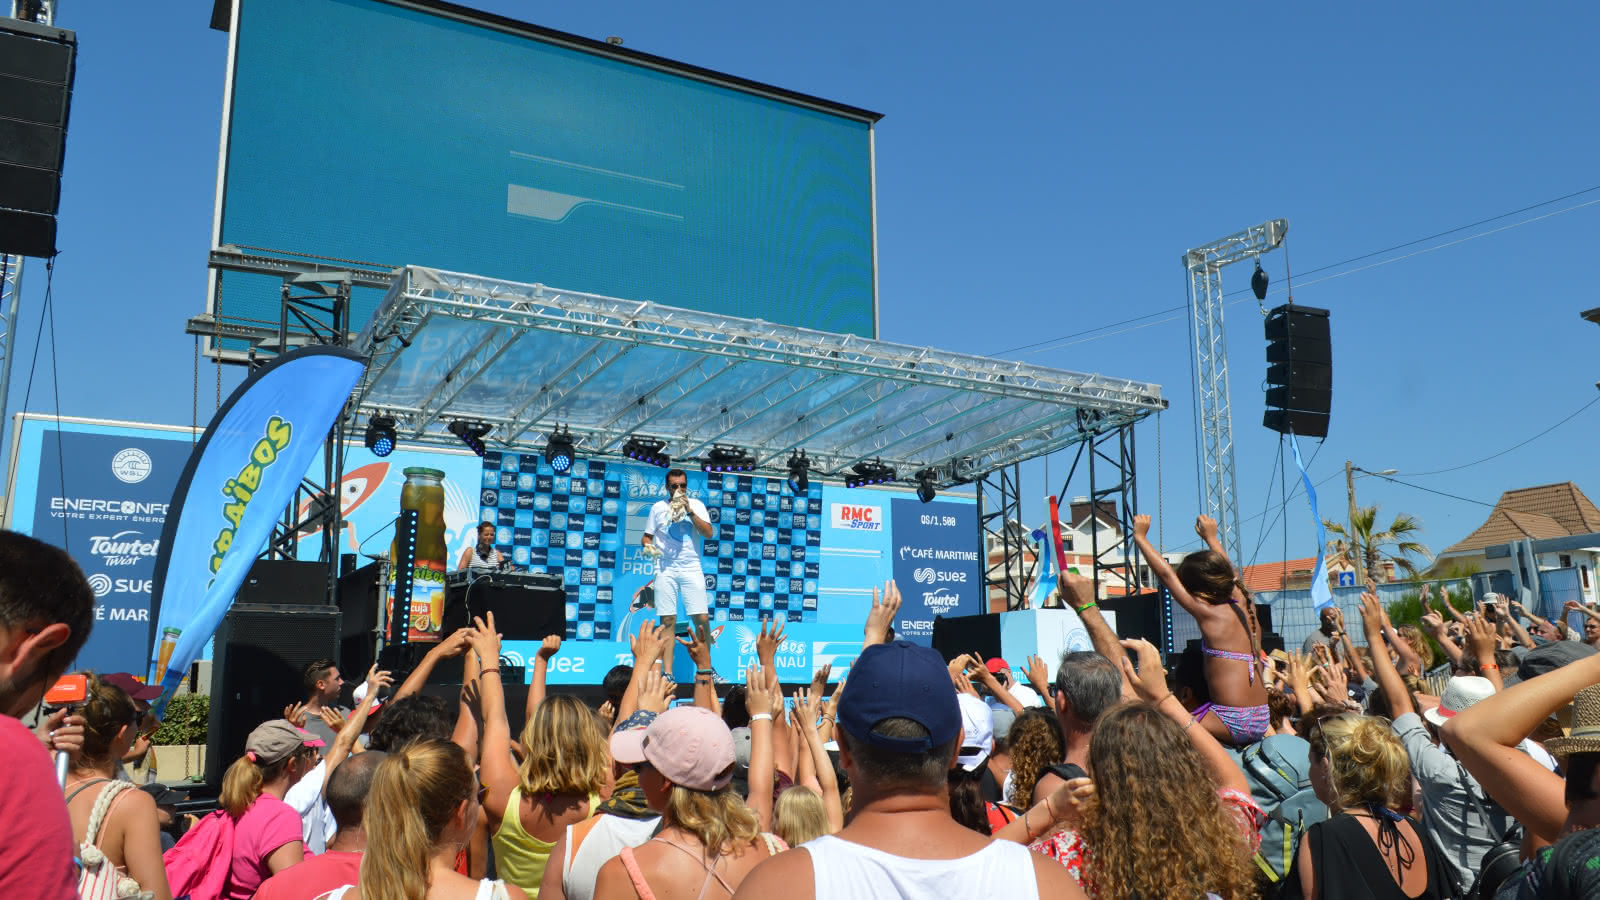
[523, 359]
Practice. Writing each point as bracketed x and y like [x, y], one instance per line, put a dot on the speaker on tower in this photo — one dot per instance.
[36, 68]
[1299, 371]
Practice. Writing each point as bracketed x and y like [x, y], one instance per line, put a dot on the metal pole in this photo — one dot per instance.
[1357, 557]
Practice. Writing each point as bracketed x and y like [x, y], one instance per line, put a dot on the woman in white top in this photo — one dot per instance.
[482, 558]
[113, 823]
[424, 805]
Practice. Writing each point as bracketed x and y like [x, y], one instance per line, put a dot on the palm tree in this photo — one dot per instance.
[1394, 545]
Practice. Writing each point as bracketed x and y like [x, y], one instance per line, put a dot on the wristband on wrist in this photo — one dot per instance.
[760, 716]
[704, 672]
[1487, 666]
[1086, 607]
[494, 669]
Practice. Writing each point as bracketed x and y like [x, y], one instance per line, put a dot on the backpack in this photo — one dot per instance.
[1279, 771]
[98, 879]
[198, 865]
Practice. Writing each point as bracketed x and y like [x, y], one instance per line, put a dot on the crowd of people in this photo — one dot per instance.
[1326, 773]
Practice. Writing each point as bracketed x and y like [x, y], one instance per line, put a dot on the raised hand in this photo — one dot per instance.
[331, 718]
[1572, 606]
[881, 617]
[1206, 527]
[550, 646]
[1371, 614]
[655, 691]
[769, 640]
[296, 714]
[608, 712]
[819, 680]
[807, 706]
[757, 695]
[1432, 621]
[1149, 679]
[650, 642]
[1076, 590]
[454, 645]
[378, 679]
[1038, 675]
[1481, 638]
[964, 684]
[1141, 525]
[485, 639]
[699, 651]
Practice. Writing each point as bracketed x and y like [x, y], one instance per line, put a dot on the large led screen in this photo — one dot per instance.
[394, 133]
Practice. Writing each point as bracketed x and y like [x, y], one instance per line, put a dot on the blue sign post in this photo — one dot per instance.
[936, 564]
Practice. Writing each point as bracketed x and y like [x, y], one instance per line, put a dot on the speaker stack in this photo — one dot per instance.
[36, 69]
[258, 658]
[1299, 371]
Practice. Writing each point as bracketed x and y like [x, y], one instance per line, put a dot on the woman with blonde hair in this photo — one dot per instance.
[423, 806]
[113, 824]
[799, 816]
[1167, 812]
[266, 832]
[1366, 848]
[710, 840]
[564, 773]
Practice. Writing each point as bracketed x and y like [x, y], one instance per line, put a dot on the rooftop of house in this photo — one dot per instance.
[1539, 512]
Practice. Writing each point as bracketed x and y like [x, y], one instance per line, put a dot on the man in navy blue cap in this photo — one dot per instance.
[899, 736]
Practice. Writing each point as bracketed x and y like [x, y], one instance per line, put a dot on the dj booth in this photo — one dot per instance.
[526, 607]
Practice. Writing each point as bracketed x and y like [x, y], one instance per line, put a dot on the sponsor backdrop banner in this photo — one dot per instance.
[99, 490]
[935, 563]
[239, 478]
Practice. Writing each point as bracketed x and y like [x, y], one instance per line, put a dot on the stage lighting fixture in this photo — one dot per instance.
[728, 459]
[471, 433]
[1259, 281]
[380, 435]
[865, 473]
[799, 473]
[650, 451]
[926, 488]
[559, 452]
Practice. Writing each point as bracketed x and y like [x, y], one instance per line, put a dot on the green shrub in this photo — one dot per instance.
[184, 721]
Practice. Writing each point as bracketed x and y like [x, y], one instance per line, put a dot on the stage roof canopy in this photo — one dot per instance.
[526, 358]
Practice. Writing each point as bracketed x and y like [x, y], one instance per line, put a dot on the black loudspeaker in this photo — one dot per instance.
[955, 635]
[285, 581]
[37, 63]
[520, 613]
[359, 595]
[256, 661]
[1138, 616]
[1299, 371]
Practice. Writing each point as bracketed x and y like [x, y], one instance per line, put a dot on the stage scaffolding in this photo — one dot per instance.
[525, 359]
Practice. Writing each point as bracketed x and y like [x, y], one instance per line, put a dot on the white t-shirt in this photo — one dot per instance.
[843, 870]
[679, 550]
[316, 819]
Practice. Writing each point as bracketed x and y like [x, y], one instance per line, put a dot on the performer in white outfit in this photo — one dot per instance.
[670, 539]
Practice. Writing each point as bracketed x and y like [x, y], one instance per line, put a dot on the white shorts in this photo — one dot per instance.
[689, 584]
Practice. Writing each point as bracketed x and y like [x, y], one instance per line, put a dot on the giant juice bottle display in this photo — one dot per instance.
[424, 492]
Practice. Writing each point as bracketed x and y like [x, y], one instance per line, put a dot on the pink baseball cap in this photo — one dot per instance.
[689, 745]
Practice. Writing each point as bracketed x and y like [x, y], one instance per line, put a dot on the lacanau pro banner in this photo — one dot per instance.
[238, 480]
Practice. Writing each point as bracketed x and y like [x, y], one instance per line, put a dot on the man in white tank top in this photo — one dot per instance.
[899, 736]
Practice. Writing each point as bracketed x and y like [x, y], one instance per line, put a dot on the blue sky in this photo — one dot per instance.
[1041, 168]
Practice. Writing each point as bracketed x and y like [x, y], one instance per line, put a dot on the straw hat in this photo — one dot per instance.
[1585, 736]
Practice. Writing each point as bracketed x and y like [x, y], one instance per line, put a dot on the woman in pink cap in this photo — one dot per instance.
[266, 831]
[711, 840]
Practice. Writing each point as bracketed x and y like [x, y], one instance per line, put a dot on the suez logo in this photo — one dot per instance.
[103, 584]
[929, 575]
[571, 665]
[857, 518]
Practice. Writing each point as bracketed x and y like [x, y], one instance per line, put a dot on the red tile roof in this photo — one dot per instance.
[1540, 512]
